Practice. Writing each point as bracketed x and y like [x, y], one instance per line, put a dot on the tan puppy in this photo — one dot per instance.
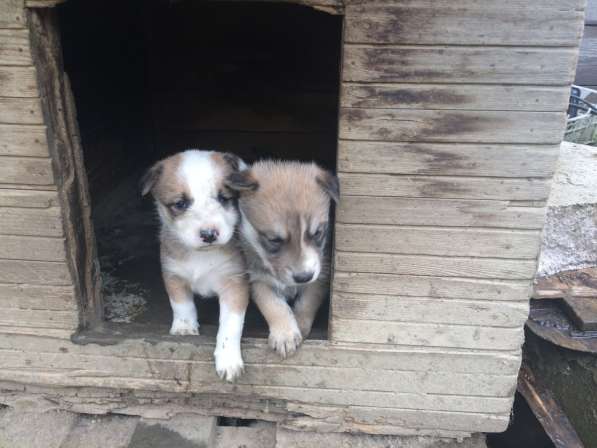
[285, 208]
[199, 253]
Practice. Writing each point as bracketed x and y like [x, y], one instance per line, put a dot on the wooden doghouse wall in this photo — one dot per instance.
[451, 116]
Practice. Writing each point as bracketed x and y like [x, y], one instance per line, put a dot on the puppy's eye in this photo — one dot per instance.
[181, 205]
[319, 235]
[223, 199]
[273, 244]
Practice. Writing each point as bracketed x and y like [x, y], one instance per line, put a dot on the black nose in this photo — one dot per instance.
[302, 277]
[208, 235]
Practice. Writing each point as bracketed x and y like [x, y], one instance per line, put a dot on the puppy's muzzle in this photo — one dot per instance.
[302, 277]
[208, 236]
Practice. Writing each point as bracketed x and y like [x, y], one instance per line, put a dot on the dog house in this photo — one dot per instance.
[442, 119]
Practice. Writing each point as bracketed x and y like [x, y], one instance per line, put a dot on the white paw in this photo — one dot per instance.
[285, 339]
[184, 327]
[229, 364]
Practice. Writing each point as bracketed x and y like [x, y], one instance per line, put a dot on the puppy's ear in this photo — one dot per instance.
[242, 181]
[235, 162]
[330, 184]
[150, 178]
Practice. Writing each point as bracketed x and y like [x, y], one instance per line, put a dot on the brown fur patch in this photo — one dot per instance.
[169, 187]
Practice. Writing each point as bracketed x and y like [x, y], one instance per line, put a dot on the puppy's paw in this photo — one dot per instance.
[285, 339]
[184, 327]
[229, 364]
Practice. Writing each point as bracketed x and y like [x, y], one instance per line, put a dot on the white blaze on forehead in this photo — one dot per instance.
[198, 170]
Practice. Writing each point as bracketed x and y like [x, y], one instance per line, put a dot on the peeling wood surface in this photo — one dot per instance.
[438, 212]
[525, 161]
[28, 198]
[18, 82]
[445, 187]
[424, 265]
[459, 64]
[438, 241]
[456, 97]
[452, 126]
[427, 286]
[36, 297]
[67, 320]
[466, 22]
[36, 273]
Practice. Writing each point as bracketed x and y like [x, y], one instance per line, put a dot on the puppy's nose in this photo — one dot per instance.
[302, 277]
[208, 235]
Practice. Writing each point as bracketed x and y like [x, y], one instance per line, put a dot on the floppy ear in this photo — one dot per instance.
[235, 162]
[330, 184]
[242, 181]
[150, 178]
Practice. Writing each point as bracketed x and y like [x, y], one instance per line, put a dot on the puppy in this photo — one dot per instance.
[285, 208]
[198, 250]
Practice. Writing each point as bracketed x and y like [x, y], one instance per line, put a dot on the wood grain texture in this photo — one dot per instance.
[427, 286]
[32, 171]
[26, 141]
[31, 248]
[438, 241]
[438, 212]
[19, 82]
[456, 97]
[14, 47]
[446, 187]
[35, 273]
[467, 22]
[31, 221]
[427, 335]
[20, 111]
[435, 266]
[459, 64]
[28, 198]
[12, 14]
[429, 310]
[66, 320]
[36, 297]
[452, 126]
[448, 159]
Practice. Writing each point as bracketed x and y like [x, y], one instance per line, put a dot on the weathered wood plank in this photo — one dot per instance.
[31, 248]
[448, 159]
[427, 335]
[33, 272]
[31, 221]
[426, 286]
[456, 97]
[429, 310]
[33, 171]
[13, 317]
[26, 141]
[460, 64]
[194, 376]
[391, 185]
[19, 82]
[31, 296]
[20, 111]
[28, 198]
[150, 344]
[12, 14]
[14, 47]
[464, 23]
[497, 268]
[55, 333]
[438, 212]
[438, 241]
[452, 126]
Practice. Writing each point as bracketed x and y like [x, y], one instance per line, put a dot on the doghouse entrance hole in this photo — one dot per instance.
[151, 78]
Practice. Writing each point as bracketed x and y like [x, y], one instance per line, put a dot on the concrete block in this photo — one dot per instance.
[109, 431]
[34, 430]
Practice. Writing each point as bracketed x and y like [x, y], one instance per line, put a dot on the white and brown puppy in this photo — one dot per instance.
[285, 208]
[198, 249]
